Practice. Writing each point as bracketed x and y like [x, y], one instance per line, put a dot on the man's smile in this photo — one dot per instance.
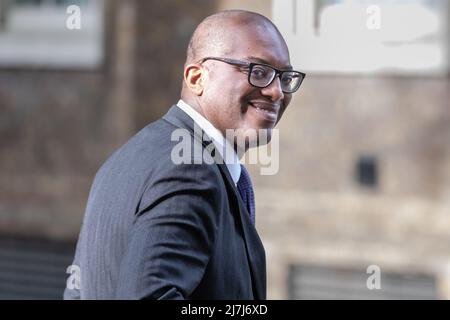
[268, 112]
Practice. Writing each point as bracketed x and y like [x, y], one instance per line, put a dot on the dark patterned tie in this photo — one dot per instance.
[245, 189]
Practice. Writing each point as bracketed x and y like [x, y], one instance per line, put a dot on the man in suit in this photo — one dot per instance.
[155, 228]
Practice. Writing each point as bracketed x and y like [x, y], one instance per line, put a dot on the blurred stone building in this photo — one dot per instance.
[364, 175]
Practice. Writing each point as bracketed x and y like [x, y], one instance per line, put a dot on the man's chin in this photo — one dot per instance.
[252, 137]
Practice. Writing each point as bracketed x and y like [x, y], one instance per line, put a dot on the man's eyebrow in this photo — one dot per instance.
[288, 67]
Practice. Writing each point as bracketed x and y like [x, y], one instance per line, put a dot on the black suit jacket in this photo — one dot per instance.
[157, 230]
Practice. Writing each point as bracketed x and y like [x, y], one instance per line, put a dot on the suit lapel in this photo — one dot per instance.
[253, 244]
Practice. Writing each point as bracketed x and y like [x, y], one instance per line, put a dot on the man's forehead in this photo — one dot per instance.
[260, 45]
[239, 35]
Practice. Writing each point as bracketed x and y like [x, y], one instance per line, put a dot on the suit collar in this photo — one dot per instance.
[222, 145]
[179, 118]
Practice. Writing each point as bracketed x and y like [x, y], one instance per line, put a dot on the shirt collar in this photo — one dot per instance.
[233, 164]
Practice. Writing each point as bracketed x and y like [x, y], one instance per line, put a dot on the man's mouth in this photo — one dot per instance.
[267, 111]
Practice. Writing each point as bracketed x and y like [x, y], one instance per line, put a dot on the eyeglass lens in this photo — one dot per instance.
[262, 76]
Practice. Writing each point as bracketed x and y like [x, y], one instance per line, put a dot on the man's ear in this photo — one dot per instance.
[194, 77]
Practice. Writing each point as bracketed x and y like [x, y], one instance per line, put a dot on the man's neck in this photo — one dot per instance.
[196, 106]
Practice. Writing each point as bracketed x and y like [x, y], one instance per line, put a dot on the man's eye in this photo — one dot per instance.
[287, 80]
[259, 72]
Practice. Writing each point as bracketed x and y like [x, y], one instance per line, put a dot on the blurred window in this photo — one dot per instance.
[360, 36]
[367, 171]
[308, 282]
[34, 33]
[33, 268]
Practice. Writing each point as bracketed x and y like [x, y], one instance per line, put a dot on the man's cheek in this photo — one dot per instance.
[280, 114]
[284, 106]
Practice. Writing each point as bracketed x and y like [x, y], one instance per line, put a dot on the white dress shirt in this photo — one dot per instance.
[221, 144]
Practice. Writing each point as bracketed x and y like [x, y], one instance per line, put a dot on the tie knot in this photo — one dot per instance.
[244, 179]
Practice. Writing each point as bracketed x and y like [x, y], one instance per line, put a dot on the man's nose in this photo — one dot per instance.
[274, 90]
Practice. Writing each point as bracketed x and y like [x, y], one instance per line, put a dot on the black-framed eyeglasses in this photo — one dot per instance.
[261, 75]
